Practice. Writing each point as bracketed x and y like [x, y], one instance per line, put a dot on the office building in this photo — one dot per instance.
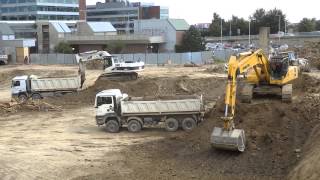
[172, 30]
[23, 10]
[123, 13]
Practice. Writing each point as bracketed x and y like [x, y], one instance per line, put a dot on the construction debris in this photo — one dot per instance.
[310, 51]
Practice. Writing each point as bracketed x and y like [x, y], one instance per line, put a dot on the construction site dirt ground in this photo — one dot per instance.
[65, 143]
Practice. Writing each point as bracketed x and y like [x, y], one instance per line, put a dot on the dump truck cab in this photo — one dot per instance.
[19, 85]
[107, 104]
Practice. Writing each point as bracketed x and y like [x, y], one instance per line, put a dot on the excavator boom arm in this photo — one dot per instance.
[245, 62]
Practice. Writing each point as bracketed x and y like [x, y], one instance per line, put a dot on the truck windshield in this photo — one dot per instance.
[15, 83]
[104, 100]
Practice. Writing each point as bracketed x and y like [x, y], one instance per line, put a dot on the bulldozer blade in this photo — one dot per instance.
[229, 140]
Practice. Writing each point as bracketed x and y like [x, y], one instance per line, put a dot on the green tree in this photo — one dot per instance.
[191, 41]
[261, 18]
[63, 47]
[215, 26]
[307, 25]
[318, 25]
[236, 24]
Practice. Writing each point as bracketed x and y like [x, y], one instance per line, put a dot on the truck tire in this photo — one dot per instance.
[36, 97]
[134, 76]
[188, 124]
[172, 124]
[112, 126]
[22, 98]
[134, 126]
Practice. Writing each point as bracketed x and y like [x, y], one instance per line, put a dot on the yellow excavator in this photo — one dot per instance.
[262, 76]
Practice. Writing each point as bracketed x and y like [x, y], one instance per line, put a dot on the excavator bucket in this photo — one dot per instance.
[229, 140]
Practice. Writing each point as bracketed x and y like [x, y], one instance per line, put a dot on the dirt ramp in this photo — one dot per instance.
[276, 133]
[308, 167]
[210, 88]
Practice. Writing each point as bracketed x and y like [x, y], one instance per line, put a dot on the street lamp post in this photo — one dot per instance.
[250, 19]
[249, 32]
[221, 30]
[279, 27]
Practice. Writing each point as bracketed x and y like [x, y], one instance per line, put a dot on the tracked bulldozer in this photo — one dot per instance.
[262, 76]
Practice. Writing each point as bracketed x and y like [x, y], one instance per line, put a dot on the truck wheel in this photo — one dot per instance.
[134, 126]
[22, 98]
[36, 97]
[134, 76]
[172, 124]
[188, 124]
[112, 126]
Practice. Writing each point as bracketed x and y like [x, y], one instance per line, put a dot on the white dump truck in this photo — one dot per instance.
[25, 87]
[115, 110]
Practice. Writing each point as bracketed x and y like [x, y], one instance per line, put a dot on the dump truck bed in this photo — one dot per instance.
[161, 107]
[56, 84]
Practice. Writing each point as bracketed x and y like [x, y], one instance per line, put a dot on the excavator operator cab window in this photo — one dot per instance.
[107, 62]
[279, 67]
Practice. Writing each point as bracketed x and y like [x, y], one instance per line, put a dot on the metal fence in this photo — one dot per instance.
[222, 55]
[149, 58]
[53, 59]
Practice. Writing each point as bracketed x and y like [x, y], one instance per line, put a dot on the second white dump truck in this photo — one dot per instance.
[25, 87]
[114, 110]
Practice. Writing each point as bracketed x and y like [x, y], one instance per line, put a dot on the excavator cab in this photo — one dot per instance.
[108, 62]
[279, 66]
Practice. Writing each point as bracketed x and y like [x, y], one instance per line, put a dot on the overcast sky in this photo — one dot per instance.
[200, 11]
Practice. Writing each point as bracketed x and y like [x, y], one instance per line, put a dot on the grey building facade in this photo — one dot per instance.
[123, 13]
[39, 10]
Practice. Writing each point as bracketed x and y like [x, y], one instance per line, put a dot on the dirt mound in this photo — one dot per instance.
[309, 165]
[148, 87]
[275, 133]
[95, 64]
[310, 51]
[6, 76]
[6, 108]
[217, 68]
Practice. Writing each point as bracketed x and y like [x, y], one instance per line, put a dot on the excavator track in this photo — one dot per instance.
[286, 93]
[246, 93]
[119, 76]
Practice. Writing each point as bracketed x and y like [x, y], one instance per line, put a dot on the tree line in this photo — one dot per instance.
[260, 18]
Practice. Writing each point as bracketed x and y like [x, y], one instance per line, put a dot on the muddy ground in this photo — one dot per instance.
[66, 143]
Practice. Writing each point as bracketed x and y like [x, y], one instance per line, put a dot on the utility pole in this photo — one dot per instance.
[230, 31]
[279, 27]
[249, 32]
[221, 30]
[285, 27]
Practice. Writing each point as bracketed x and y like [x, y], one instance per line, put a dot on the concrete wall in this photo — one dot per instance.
[90, 47]
[83, 28]
[155, 27]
